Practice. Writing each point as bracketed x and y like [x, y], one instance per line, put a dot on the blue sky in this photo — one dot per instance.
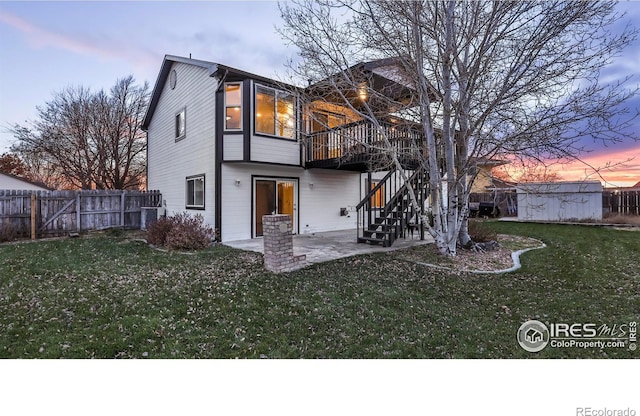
[47, 46]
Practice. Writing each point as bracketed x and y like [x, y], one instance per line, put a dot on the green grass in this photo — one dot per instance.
[105, 297]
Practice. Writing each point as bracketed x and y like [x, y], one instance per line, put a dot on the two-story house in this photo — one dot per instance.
[235, 146]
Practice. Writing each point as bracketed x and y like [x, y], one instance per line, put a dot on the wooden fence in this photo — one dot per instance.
[626, 202]
[55, 213]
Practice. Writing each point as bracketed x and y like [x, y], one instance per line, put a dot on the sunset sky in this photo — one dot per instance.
[47, 46]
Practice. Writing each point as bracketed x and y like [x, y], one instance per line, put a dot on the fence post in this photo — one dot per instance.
[33, 215]
[122, 200]
[78, 217]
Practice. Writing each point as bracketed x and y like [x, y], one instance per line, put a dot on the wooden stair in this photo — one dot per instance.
[382, 226]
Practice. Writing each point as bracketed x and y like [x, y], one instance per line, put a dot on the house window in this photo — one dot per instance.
[181, 124]
[195, 192]
[274, 112]
[377, 199]
[233, 106]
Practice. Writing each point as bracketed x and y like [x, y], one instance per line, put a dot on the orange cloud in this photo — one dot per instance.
[618, 168]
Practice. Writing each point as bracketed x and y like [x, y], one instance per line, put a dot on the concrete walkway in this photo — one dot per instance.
[331, 245]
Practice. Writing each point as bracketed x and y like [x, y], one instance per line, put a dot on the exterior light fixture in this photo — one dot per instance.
[362, 91]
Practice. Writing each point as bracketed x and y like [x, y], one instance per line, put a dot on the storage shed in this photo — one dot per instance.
[560, 201]
[13, 182]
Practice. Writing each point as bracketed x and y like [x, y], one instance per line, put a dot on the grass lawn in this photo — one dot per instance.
[109, 297]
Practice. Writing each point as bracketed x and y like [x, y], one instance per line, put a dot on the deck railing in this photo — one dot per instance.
[362, 140]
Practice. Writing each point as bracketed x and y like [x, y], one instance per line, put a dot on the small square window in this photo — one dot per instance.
[195, 192]
[181, 124]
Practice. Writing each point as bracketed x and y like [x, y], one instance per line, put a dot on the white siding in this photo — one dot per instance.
[560, 201]
[318, 208]
[233, 147]
[236, 197]
[236, 203]
[13, 183]
[171, 162]
[320, 205]
[265, 149]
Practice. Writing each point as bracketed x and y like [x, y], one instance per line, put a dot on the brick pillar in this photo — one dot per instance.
[278, 244]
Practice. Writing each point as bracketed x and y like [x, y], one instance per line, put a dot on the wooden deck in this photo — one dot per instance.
[361, 146]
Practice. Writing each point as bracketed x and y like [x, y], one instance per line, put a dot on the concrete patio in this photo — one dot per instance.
[331, 245]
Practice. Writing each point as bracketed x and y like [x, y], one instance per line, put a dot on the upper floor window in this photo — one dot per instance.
[233, 106]
[181, 124]
[275, 114]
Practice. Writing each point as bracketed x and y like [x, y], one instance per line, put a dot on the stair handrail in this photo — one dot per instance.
[397, 208]
[401, 191]
[375, 189]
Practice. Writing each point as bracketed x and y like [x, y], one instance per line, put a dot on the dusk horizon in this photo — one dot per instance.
[55, 45]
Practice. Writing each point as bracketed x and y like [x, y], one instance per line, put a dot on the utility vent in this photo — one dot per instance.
[149, 215]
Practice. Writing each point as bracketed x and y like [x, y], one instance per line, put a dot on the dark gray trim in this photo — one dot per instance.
[224, 108]
[234, 74]
[253, 205]
[246, 118]
[257, 162]
[204, 192]
[146, 160]
[218, 158]
[268, 136]
[255, 106]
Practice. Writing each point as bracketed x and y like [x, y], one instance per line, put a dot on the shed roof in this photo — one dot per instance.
[38, 184]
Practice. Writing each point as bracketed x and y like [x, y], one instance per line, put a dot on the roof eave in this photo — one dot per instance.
[168, 61]
[214, 70]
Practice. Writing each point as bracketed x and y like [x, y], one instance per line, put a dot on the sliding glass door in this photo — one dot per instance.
[274, 196]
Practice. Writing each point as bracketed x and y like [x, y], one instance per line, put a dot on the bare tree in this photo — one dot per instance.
[89, 140]
[487, 80]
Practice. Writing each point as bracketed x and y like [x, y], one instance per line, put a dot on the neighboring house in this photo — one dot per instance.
[10, 182]
[485, 182]
[235, 146]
